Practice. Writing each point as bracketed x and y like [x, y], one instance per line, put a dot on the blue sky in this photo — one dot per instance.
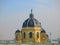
[19, 5]
[14, 12]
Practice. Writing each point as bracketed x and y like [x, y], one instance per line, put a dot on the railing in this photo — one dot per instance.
[29, 43]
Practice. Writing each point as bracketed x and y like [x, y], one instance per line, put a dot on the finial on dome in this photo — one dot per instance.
[31, 14]
[31, 10]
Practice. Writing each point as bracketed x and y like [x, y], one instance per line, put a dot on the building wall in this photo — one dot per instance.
[34, 34]
[44, 37]
[37, 36]
[18, 37]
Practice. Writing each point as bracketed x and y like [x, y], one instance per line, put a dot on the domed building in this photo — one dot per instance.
[32, 31]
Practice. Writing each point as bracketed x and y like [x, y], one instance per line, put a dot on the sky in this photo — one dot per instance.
[14, 12]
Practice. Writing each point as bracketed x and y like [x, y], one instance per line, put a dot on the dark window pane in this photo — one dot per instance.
[24, 35]
[30, 34]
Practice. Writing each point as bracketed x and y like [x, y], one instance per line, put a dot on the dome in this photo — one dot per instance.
[31, 21]
[17, 31]
[43, 31]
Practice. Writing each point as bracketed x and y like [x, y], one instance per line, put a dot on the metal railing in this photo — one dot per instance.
[29, 43]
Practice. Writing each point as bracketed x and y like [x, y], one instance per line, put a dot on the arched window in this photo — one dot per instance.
[37, 34]
[30, 35]
[24, 35]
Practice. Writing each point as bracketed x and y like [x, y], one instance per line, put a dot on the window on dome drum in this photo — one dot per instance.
[24, 34]
[37, 34]
[30, 35]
